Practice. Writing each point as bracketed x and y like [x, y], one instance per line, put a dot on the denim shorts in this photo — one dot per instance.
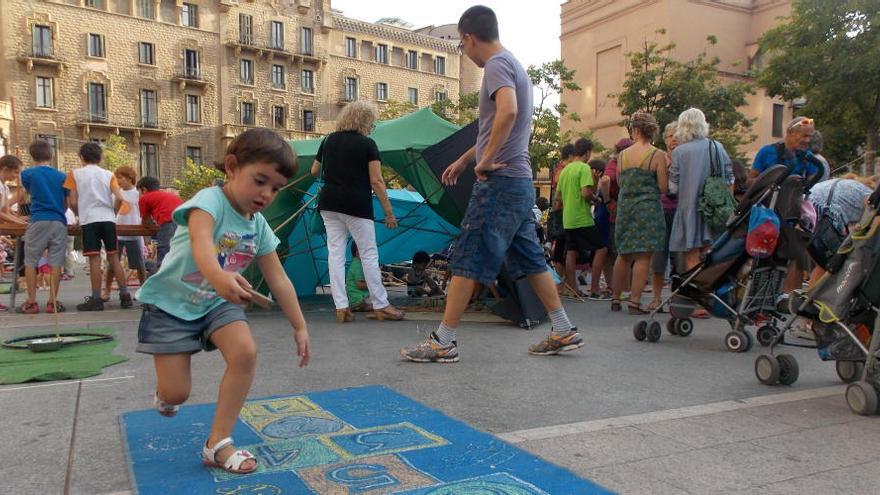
[499, 227]
[162, 333]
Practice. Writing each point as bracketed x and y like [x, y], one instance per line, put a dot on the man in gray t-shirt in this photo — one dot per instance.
[498, 227]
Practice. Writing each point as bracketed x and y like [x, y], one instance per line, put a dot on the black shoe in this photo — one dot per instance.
[125, 301]
[91, 304]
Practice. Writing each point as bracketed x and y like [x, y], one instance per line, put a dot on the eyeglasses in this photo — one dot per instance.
[460, 45]
[804, 121]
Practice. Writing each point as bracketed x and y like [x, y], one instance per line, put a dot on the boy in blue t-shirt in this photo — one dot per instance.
[47, 226]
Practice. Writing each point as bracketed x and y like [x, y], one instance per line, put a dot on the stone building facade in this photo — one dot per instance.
[597, 35]
[182, 78]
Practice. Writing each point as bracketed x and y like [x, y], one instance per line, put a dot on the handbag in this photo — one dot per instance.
[555, 229]
[715, 202]
[826, 238]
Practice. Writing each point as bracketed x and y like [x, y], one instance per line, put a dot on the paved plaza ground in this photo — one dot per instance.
[679, 416]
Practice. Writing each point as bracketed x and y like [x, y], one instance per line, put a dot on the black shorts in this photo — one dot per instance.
[558, 254]
[97, 234]
[584, 239]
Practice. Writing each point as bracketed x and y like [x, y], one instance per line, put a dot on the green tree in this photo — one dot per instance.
[829, 54]
[116, 153]
[551, 79]
[194, 178]
[393, 109]
[659, 84]
[462, 112]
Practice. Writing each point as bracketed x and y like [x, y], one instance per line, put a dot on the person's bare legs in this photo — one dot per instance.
[173, 379]
[108, 284]
[641, 267]
[54, 283]
[118, 272]
[95, 272]
[691, 258]
[458, 296]
[240, 353]
[545, 289]
[657, 280]
[621, 272]
[794, 278]
[571, 258]
[609, 270]
[30, 278]
[599, 260]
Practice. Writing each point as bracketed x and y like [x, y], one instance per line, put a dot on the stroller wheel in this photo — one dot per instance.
[738, 341]
[767, 369]
[861, 397]
[766, 334]
[849, 371]
[788, 369]
[654, 331]
[671, 326]
[640, 330]
[684, 327]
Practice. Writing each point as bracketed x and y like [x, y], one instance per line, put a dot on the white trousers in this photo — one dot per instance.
[338, 226]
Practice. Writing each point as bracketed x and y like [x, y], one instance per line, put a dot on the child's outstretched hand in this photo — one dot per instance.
[301, 337]
[232, 287]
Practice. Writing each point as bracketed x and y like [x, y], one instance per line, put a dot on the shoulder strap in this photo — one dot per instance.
[714, 159]
[831, 192]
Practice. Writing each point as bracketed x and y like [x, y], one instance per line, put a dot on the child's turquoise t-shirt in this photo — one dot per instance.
[179, 287]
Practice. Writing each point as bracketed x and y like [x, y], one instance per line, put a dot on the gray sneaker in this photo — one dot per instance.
[431, 351]
[554, 344]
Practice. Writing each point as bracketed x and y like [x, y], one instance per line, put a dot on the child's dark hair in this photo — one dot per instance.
[148, 183]
[597, 165]
[354, 250]
[262, 145]
[421, 258]
[91, 152]
[10, 162]
[127, 172]
[40, 151]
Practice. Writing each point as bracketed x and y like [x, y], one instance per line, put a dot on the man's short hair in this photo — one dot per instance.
[567, 151]
[91, 153]
[40, 151]
[479, 21]
[148, 183]
[583, 146]
[10, 162]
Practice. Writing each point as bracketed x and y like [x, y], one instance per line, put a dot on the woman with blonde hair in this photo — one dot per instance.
[641, 228]
[348, 162]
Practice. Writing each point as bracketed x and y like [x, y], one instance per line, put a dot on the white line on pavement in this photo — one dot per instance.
[67, 383]
[546, 432]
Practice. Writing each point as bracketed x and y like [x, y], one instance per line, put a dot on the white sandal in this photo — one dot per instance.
[167, 410]
[233, 463]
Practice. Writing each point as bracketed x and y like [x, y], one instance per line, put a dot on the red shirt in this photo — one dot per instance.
[158, 205]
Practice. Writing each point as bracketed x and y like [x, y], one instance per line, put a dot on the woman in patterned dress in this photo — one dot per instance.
[641, 226]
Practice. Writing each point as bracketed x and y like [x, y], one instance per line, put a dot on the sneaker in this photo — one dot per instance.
[125, 301]
[431, 351]
[4, 308]
[50, 308]
[554, 344]
[28, 308]
[91, 304]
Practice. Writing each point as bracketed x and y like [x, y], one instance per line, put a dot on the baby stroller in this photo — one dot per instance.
[728, 282]
[843, 308]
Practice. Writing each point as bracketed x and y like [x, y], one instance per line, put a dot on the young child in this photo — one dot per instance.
[132, 245]
[47, 226]
[195, 301]
[356, 284]
[156, 207]
[92, 194]
[418, 281]
[10, 169]
[43, 271]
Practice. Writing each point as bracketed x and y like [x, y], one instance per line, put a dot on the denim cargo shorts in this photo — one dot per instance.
[498, 228]
[163, 333]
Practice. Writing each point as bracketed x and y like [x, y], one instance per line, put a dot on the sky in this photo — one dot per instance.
[531, 33]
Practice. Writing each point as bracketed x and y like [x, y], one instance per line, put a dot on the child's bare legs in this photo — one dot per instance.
[240, 353]
[173, 378]
[108, 285]
[118, 272]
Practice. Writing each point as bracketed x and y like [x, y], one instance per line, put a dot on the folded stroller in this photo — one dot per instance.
[728, 282]
[843, 308]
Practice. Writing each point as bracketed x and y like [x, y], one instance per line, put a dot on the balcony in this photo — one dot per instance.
[150, 125]
[244, 44]
[230, 131]
[190, 76]
[309, 56]
[42, 58]
[272, 50]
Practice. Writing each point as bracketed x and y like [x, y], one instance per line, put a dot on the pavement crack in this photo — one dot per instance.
[72, 447]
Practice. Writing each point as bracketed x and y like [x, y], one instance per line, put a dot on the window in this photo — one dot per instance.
[191, 64]
[440, 65]
[194, 153]
[308, 81]
[245, 29]
[412, 59]
[42, 41]
[247, 113]
[306, 45]
[149, 160]
[146, 9]
[278, 118]
[246, 71]
[382, 54]
[149, 108]
[351, 89]
[96, 45]
[276, 36]
[308, 121]
[193, 109]
[413, 95]
[146, 53]
[778, 114]
[97, 103]
[95, 4]
[278, 77]
[382, 91]
[189, 15]
[53, 143]
[440, 96]
[351, 50]
[45, 93]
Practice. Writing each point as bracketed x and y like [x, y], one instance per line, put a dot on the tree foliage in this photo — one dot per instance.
[660, 84]
[462, 112]
[194, 178]
[829, 54]
[115, 153]
[393, 109]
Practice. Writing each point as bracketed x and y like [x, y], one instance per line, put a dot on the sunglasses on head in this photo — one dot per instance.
[803, 121]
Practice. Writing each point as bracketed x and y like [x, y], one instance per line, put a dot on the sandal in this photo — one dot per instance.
[167, 410]
[636, 309]
[615, 305]
[344, 315]
[656, 306]
[233, 463]
[387, 313]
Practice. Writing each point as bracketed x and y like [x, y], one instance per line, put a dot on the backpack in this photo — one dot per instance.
[763, 233]
[715, 202]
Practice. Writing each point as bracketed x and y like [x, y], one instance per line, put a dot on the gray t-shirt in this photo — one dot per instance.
[504, 70]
